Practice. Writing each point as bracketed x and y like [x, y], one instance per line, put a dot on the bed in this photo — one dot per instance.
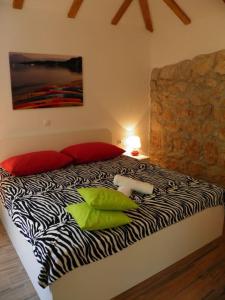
[168, 225]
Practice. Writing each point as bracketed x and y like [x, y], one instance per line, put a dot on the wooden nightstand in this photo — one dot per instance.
[141, 157]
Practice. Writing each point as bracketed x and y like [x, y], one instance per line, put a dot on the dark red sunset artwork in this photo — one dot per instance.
[45, 81]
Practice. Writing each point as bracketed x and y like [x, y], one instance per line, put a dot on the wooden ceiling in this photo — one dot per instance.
[144, 6]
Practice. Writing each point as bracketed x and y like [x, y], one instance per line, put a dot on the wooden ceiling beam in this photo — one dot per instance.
[74, 8]
[124, 6]
[146, 14]
[18, 4]
[178, 11]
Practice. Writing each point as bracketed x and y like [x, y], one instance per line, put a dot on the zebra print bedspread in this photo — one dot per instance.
[36, 205]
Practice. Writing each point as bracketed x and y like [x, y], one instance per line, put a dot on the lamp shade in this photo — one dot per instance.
[133, 142]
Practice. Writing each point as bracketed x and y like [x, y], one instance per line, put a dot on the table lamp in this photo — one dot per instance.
[133, 144]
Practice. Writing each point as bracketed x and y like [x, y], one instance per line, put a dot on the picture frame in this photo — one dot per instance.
[45, 80]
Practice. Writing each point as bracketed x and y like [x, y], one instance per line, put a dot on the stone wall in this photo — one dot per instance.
[188, 117]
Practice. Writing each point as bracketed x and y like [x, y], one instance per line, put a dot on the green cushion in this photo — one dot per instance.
[106, 199]
[89, 218]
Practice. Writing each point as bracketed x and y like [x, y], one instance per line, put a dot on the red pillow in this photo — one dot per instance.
[35, 162]
[89, 152]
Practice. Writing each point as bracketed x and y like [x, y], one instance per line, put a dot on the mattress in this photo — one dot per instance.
[37, 204]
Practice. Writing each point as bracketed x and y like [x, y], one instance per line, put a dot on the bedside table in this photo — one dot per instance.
[141, 157]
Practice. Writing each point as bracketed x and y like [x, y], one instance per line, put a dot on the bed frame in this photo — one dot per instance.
[115, 274]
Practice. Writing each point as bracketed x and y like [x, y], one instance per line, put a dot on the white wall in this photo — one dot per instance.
[172, 41]
[115, 65]
[116, 58]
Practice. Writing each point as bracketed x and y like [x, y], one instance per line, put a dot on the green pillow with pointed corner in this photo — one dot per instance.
[106, 199]
[89, 218]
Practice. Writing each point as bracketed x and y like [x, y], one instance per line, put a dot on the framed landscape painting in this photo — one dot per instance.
[44, 81]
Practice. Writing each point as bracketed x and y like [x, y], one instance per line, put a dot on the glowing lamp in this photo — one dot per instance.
[133, 144]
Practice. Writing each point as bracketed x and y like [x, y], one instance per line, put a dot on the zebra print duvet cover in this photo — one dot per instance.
[37, 204]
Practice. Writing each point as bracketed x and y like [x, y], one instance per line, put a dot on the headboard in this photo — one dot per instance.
[57, 141]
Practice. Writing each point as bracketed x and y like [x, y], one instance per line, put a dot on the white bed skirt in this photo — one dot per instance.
[115, 274]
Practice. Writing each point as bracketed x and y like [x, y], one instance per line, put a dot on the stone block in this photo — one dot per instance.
[177, 87]
[219, 115]
[162, 83]
[168, 72]
[155, 96]
[156, 139]
[211, 153]
[222, 134]
[180, 101]
[167, 116]
[155, 125]
[179, 144]
[167, 142]
[193, 149]
[171, 164]
[172, 126]
[184, 70]
[195, 169]
[196, 98]
[208, 128]
[221, 160]
[181, 86]
[203, 64]
[220, 63]
[153, 84]
[156, 108]
[192, 128]
[155, 74]
[212, 83]
[186, 113]
[202, 111]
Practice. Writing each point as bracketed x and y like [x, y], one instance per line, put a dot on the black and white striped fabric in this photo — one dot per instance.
[37, 204]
